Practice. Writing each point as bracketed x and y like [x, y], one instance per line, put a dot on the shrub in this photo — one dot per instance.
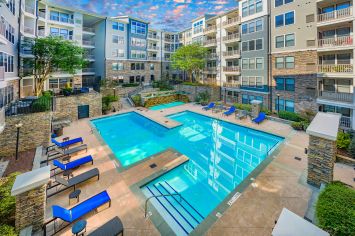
[41, 104]
[106, 102]
[163, 85]
[193, 84]
[352, 148]
[7, 203]
[203, 97]
[240, 106]
[130, 85]
[48, 93]
[7, 230]
[297, 125]
[266, 111]
[335, 209]
[290, 116]
[137, 100]
[343, 140]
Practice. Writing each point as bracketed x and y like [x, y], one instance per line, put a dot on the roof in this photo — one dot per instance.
[325, 125]
[290, 224]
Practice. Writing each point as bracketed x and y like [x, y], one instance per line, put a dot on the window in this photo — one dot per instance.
[117, 66]
[136, 42]
[259, 44]
[251, 7]
[244, 28]
[290, 84]
[281, 106]
[282, 2]
[138, 28]
[251, 64]
[245, 81]
[279, 84]
[289, 40]
[131, 79]
[114, 39]
[285, 84]
[290, 62]
[252, 45]
[285, 19]
[245, 64]
[290, 105]
[279, 41]
[7, 61]
[151, 66]
[9, 31]
[259, 63]
[137, 66]
[259, 82]
[252, 26]
[118, 53]
[136, 54]
[245, 99]
[259, 25]
[252, 81]
[245, 46]
[11, 5]
[118, 26]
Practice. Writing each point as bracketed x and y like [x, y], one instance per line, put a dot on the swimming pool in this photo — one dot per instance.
[221, 156]
[166, 105]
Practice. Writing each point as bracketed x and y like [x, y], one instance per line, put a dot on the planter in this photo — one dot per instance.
[58, 132]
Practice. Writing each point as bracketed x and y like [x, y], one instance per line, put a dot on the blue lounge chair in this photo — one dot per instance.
[71, 165]
[78, 211]
[68, 143]
[210, 106]
[230, 111]
[261, 117]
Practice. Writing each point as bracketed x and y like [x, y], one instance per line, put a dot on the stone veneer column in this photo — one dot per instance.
[255, 107]
[322, 151]
[30, 191]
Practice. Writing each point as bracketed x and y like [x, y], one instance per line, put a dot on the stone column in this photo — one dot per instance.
[30, 191]
[322, 147]
[255, 107]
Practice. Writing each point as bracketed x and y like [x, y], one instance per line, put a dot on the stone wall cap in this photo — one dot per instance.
[291, 224]
[255, 102]
[325, 125]
[31, 180]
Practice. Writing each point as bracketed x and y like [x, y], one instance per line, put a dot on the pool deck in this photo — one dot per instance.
[280, 184]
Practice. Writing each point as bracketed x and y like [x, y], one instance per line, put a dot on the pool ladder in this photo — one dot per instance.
[156, 196]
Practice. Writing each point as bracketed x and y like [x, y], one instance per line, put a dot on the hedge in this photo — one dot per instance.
[335, 209]
[286, 115]
[130, 85]
[7, 202]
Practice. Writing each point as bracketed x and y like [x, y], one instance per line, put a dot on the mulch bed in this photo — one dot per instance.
[343, 152]
[23, 164]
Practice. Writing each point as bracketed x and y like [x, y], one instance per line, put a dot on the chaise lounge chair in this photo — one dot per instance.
[261, 117]
[71, 165]
[66, 144]
[210, 106]
[112, 227]
[72, 182]
[230, 111]
[241, 114]
[59, 153]
[75, 213]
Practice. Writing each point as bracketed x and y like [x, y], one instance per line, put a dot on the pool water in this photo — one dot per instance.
[166, 105]
[221, 156]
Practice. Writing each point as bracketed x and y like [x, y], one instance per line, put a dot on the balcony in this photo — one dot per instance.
[231, 85]
[210, 42]
[345, 122]
[335, 68]
[67, 37]
[335, 15]
[169, 40]
[336, 96]
[90, 57]
[88, 70]
[41, 33]
[89, 43]
[212, 56]
[30, 9]
[26, 71]
[154, 37]
[62, 19]
[231, 22]
[26, 51]
[2, 73]
[29, 30]
[210, 29]
[343, 41]
[3, 39]
[89, 30]
[231, 69]
[155, 48]
[210, 70]
[154, 58]
[232, 54]
[231, 38]
[42, 14]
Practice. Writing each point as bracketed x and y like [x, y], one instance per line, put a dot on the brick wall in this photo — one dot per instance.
[67, 107]
[35, 131]
[193, 91]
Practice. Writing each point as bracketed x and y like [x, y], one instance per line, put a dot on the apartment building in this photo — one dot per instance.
[293, 55]
[9, 38]
[335, 30]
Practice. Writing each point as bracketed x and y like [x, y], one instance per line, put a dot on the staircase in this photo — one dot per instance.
[141, 89]
[181, 216]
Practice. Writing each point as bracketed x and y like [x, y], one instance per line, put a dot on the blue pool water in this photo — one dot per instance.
[221, 156]
[166, 105]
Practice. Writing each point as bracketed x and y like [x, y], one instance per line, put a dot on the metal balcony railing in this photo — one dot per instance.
[42, 14]
[62, 19]
[335, 68]
[345, 122]
[41, 33]
[334, 15]
[153, 47]
[154, 58]
[336, 42]
[88, 70]
[29, 30]
[88, 29]
[210, 69]
[151, 36]
[88, 43]
[336, 96]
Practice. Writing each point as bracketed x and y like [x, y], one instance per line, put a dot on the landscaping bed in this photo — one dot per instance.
[166, 99]
[23, 164]
[335, 209]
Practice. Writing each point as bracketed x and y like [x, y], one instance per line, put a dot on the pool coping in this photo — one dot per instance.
[158, 221]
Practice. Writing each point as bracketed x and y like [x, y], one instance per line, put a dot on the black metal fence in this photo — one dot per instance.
[29, 105]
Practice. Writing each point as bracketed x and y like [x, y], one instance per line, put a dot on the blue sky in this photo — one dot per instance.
[170, 15]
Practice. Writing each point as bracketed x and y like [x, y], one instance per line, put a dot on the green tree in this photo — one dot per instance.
[190, 58]
[52, 54]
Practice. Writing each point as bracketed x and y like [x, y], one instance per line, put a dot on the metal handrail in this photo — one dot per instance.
[156, 196]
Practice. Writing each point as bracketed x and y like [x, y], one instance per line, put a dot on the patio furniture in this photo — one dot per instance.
[261, 117]
[78, 227]
[241, 114]
[73, 182]
[67, 143]
[59, 153]
[68, 174]
[209, 106]
[217, 108]
[230, 111]
[71, 165]
[113, 227]
[69, 216]
[75, 195]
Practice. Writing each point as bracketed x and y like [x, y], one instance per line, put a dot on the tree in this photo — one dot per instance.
[190, 58]
[52, 54]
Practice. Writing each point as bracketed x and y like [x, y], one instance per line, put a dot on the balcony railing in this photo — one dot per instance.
[231, 53]
[209, 42]
[210, 29]
[26, 71]
[88, 43]
[345, 122]
[210, 69]
[231, 21]
[151, 36]
[30, 9]
[212, 56]
[334, 15]
[154, 58]
[41, 33]
[42, 14]
[231, 37]
[2, 29]
[88, 29]
[336, 42]
[231, 69]
[2, 73]
[29, 30]
[336, 96]
[26, 51]
[231, 84]
[62, 19]
[88, 70]
[336, 68]
[90, 57]
[169, 40]
[67, 37]
[153, 47]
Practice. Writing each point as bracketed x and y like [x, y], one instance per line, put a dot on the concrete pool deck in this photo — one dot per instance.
[280, 184]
